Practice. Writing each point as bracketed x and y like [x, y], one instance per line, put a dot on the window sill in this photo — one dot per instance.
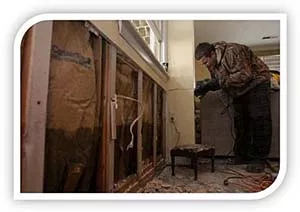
[128, 32]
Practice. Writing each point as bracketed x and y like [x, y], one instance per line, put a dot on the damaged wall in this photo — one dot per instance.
[125, 160]
[132, 166]
[73, 126]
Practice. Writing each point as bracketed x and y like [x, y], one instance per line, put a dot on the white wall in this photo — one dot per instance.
[180, 95]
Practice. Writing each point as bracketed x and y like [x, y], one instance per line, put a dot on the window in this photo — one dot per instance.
[152, 33]
[149, 39]
[143, 29]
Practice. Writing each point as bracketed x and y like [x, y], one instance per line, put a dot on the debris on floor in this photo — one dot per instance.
[183, 181]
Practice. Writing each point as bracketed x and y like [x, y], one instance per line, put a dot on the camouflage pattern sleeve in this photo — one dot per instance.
[235, 70]
[238, 69]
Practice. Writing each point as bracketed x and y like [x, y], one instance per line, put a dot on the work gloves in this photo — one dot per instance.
[203, 86]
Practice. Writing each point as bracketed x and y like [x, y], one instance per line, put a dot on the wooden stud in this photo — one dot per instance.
[164, 124]
[154, 124]
[112, 92]
[98, 57]
[104, 174]
[140, 123]
[26, 58]
[97, 49]
[33, 139]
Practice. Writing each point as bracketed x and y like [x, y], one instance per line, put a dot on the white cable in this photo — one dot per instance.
[130, 145]
[177, 131]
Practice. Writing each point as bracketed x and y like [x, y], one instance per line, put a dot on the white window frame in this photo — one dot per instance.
[159, 32]
[129, 33]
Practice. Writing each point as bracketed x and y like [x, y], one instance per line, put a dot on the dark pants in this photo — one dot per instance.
[253, 125]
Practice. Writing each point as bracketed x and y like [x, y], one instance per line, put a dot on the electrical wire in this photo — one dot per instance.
[251, 183]
[177, 131]
[130, 145]
[230, 116]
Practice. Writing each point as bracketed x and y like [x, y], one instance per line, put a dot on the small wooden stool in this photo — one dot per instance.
[193, 151]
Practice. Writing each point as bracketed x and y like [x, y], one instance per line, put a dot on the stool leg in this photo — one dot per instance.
[173, 165]
[192, 163]
[195, 167]
[212, 163]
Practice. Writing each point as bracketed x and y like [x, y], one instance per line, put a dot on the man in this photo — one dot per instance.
[246, 79]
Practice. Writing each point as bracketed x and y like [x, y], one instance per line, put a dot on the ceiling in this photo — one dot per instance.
[248, 32]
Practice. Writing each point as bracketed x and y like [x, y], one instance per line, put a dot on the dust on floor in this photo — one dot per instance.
[207, 182]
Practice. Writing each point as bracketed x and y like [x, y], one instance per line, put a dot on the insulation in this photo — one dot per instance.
[125, 159]
[147, 128]
[72, 101]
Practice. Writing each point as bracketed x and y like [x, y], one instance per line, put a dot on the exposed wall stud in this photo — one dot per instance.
[97, 48]
[33, 140]
[140, 122]
[112, 92]
[105, 122]
[164, 124]
[154, 123]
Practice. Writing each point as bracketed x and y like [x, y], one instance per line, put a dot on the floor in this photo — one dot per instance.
[183, 181]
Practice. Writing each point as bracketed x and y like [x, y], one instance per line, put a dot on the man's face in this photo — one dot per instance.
[209, 61]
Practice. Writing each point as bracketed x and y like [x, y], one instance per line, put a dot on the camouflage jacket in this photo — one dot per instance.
[238, 70]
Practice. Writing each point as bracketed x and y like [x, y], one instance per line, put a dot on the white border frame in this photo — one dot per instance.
[154, 196]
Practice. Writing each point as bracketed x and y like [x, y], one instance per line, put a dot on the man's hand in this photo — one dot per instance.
[202, 87]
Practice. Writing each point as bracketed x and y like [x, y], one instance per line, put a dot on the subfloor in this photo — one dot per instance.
[207, 182]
